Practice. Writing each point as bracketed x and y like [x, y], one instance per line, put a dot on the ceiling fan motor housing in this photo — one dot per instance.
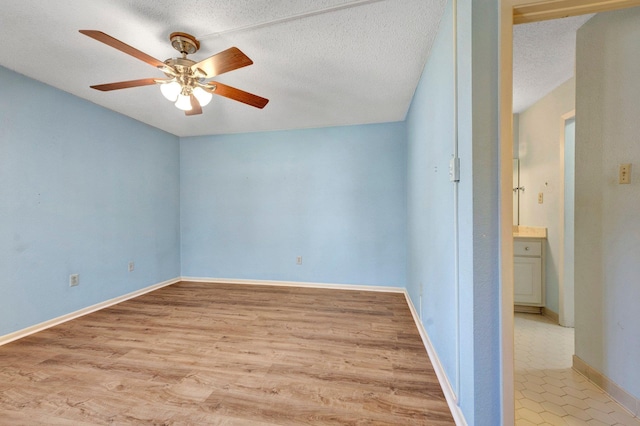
[184, 43]
[185, 74]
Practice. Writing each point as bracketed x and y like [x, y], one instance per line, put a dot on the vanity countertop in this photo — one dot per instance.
[529, 232]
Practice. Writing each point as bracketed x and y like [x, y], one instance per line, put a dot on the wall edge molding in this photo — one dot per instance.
[19, 334]
[447, 389]
[387, 289]
[615, 391]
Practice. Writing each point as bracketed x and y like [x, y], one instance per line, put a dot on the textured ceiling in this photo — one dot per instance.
[347, 65]
[320, 62]
[544, 56]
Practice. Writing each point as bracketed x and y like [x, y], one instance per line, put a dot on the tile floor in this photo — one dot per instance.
[548, 390]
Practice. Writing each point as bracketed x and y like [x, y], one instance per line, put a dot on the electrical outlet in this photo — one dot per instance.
[299, 260]
[540, 197]
[132, 266]
[625, 173]
[74, 280]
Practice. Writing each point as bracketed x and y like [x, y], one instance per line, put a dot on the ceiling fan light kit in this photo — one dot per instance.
[184, 102]
[202, 95]
[187, 82]
[170, 90]
[184, 82]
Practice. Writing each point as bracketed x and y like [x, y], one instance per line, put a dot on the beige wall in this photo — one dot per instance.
[540, 130]
[607, 225]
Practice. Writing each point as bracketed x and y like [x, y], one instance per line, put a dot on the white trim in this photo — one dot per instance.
[449, 394]
[608, 386]
[84, 311]
[563, 301]
[294, 284]
[505, 119]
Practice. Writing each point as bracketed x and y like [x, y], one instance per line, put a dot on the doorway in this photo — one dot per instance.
[515, 12]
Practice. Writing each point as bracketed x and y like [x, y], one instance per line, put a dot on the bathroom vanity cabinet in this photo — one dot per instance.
[528, 267]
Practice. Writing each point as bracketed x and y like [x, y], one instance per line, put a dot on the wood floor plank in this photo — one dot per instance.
[222, 354]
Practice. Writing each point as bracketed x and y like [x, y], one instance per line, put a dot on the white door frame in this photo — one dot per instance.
[565, 298]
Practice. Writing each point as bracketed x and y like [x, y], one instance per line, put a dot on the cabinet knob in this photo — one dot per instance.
[526, 248]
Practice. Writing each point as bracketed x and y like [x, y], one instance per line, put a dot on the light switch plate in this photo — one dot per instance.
[74, 280]
[625, 173]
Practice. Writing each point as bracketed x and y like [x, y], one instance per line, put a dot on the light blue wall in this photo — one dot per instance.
[82, 190]
[480, 208]
[431, 209]
[252, 203]
[430, 200]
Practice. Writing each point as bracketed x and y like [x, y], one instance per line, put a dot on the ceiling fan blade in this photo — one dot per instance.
[195, 107]
[238, 95]
[123, 47]
[125, 84]
[225, 61]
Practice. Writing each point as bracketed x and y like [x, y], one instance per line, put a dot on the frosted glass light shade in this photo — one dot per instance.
[202, 96]
[183, 103]
[171, 90]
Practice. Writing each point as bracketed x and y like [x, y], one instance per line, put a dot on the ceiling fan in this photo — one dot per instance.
[186, 83]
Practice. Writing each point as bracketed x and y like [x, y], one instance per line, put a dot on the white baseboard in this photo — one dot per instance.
[616, 392]
[449, 394]
[524, 309]
[294, 284]
[84, 311]
[553, 316]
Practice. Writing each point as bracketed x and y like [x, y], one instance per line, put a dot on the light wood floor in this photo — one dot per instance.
[227, 355]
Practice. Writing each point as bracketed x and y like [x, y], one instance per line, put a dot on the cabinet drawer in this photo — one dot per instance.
[527, 248]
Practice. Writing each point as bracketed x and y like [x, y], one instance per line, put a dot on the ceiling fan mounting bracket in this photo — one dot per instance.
[184, 43]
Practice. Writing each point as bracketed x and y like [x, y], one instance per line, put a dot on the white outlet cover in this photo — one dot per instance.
[74, 280]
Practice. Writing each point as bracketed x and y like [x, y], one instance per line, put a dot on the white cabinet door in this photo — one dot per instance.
[527, 280]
